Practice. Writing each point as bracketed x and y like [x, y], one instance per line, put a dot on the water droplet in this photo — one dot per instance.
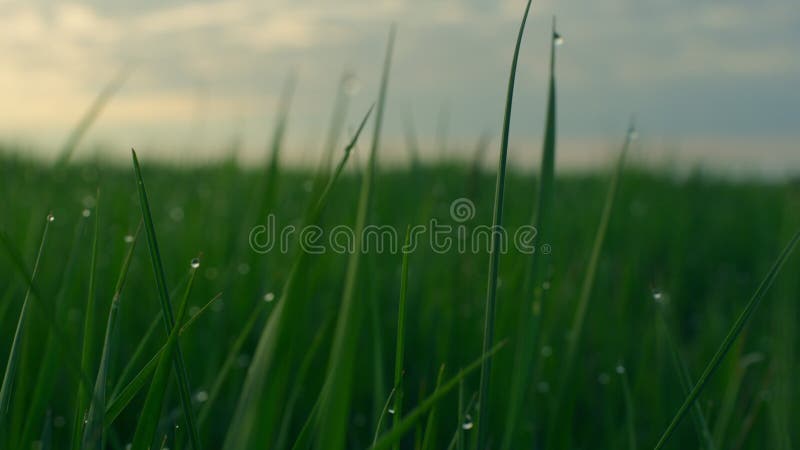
[201, 396]
[658, 296]
[390, 411]
[603, 378]
[177, 427]
[547, 351]
[351, 85]
[195, 263]
[468, 423]
[269, 296]
[620, 369]
[50, 218]
[558, 39]
[86, 213]
[128, 238]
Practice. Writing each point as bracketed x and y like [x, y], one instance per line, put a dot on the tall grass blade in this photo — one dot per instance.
[734, 332]
[151, 410]
[576, 328]
[6, 390]
[430, 426]
[93, 436]
[166, 308]
[399, 352]
[538, 266]
[335, 396]
[703, 432]
[494, 257]
[82, 398]
[246, 412]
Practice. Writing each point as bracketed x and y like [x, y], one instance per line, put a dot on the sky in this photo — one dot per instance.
[710, 82]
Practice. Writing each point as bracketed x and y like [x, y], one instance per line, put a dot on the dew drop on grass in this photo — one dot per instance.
[195, 263]
[269, 296]
[201, 396]
[558, 39]
[128, 238]
[658, 296]
[50, 218]
[620, 369]
[86, 212]
[390, 411]
[468, 423]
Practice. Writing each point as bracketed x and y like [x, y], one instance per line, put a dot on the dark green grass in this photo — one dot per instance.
[705, 242]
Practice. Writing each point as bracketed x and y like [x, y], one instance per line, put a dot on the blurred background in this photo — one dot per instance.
[715, 84]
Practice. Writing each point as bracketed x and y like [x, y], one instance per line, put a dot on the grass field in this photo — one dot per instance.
[137, 309]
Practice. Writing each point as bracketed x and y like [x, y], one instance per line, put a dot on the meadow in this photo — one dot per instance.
[657, 310]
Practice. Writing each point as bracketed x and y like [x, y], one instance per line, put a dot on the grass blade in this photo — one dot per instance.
[245, 414]
[166, 307]
[93, 433]
[335, 397]
[151, 411]
[430, 426]
[403, 426]
[538, 266]
[494, 257]
[734, 332]
[82, 398]
[401, 327]
[14, 353]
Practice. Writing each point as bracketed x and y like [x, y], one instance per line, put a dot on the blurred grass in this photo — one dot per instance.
[702, 241]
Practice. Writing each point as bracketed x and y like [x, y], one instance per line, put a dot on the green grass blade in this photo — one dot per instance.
[120, 401]
[245, 415]
[151, 410]
[430, 425]
[538, 266]
[82, 397]
[576, 328]
[703, 432]
[335, 397]
[10, 373]
[494, 257]
[382, 414]
[403, 426]
[299, 384]
[93, 436]
[630, 412]
[400, 340]
[734, 332]
[166, 307]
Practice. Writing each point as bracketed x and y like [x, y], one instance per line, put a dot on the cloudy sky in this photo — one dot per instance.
[712, 81]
